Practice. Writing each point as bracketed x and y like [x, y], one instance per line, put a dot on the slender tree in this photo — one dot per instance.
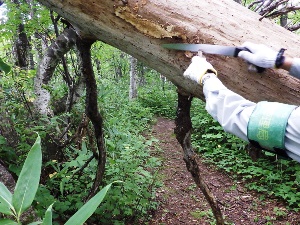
[133, 78]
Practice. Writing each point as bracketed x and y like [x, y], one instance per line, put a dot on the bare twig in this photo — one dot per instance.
[294, 27]
[83, 166]
[283, 11]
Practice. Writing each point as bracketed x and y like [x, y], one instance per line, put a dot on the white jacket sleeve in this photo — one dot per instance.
[233, 111]
[295, 68]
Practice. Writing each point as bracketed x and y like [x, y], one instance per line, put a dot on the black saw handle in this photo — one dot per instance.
[257, 69]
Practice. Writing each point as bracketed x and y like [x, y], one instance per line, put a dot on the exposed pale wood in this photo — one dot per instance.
[140, 27]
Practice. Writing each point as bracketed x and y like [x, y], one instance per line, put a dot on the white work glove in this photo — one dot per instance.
[260, 55]
[198, 68]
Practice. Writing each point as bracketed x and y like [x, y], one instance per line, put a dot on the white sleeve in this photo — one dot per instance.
[295, 68]
[233, 111]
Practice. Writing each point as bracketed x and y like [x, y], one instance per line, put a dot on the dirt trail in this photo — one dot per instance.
[182, 203]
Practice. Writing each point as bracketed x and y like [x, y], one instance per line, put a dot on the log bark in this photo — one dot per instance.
[139, 27]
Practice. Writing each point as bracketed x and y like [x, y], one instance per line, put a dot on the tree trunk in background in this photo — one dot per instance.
[133, 78]
[283, 20]
[47, 66]
[21, 45]
[21, 52]
[140, 27]
[22, 48]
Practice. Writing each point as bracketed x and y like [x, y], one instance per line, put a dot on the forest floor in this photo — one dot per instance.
[181, 202]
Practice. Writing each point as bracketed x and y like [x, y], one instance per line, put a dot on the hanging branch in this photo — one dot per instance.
[294, 27]
[272, 5]
[183, 135]
[256, 3]
[86, 69]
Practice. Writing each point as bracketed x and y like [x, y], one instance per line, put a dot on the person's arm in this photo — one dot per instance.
[293, 66]
[233, 111]
[287, 64]
[265, 57]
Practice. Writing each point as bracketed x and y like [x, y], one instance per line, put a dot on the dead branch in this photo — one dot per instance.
[86, 69]
[283, 11]
[294, 27]
[272, 6]
[183, 135]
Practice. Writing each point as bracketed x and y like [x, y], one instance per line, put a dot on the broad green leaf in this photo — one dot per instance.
[83, 148]
[48, 216]
[88, 208]
[5, 200]
[3, 66]
[5, 210]
[28, 180]
[7, 222]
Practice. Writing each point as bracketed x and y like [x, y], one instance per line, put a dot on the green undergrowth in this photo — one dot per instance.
[270, 176]
[128, 160]
[160, 97]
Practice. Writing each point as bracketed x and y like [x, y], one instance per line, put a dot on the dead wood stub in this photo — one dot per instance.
[183, 131]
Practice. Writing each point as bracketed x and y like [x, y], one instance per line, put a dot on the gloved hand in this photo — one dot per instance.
[198, 68]
[260, 55]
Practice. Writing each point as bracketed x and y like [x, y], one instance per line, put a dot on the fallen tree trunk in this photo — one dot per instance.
[139, 27]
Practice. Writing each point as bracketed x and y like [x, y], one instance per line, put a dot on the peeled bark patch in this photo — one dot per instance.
[145, 26]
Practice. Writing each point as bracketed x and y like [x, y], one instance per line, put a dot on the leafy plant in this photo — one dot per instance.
[4, 67]
[15, 204]
[26, 187]
[128, 159]
[159, 96]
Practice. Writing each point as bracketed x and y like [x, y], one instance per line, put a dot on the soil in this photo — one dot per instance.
[181, 202]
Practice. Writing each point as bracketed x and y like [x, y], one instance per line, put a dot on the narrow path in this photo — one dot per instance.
[181, 202]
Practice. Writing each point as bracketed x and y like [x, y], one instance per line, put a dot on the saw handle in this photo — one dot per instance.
[252, 67]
